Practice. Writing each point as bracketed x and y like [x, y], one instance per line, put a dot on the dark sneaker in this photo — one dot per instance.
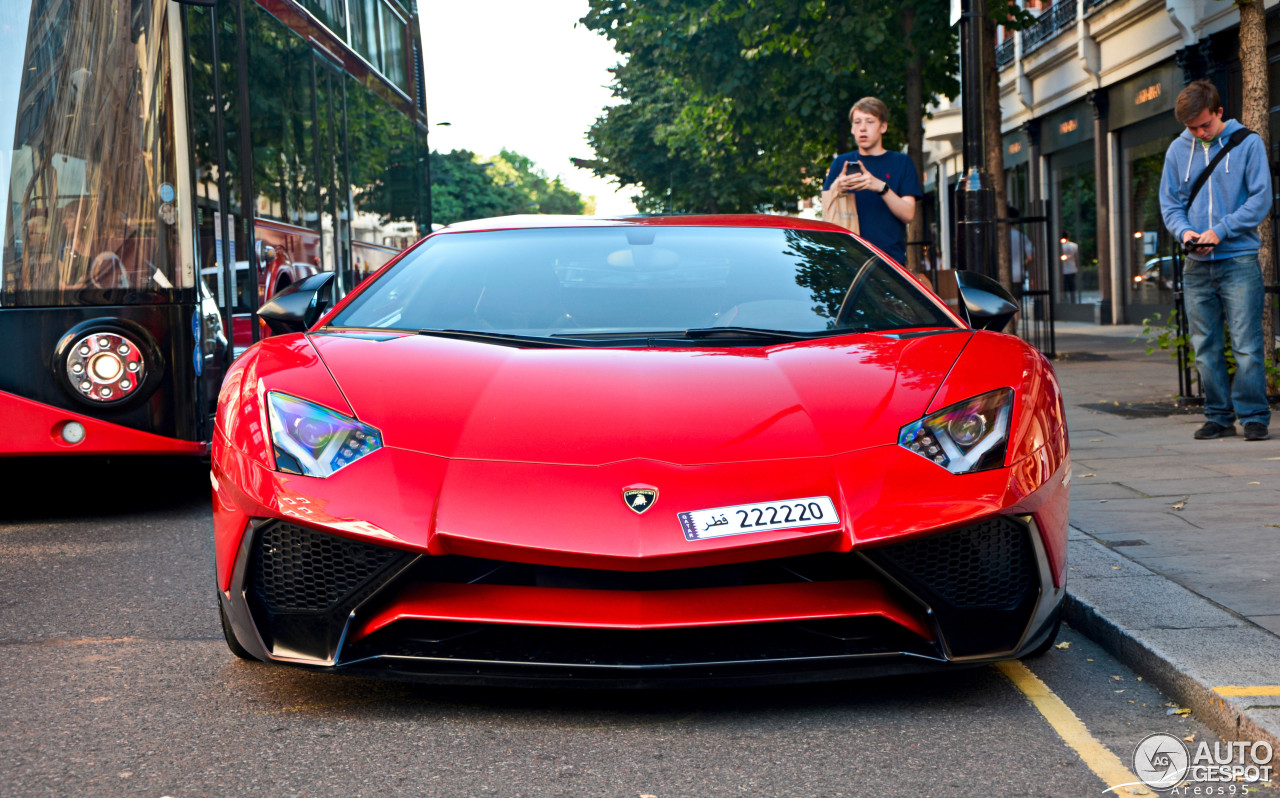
[1213, 429]
[1256, 431]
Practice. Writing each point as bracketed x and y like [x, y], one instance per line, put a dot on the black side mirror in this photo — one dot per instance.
[299, 305]
[979, 300]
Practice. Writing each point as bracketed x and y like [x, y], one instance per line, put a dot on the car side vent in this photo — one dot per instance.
[987, 565]
[303, 571]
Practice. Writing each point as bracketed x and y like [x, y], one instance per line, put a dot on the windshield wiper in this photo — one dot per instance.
[527, 341]
[758, 333]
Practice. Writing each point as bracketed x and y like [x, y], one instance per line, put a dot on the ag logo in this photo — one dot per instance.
[1161, 761]
[639, 499]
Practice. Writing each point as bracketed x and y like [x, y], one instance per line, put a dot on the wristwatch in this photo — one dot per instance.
[884, 190]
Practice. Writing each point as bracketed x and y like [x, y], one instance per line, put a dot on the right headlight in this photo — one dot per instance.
[315, 441]
[966, 437]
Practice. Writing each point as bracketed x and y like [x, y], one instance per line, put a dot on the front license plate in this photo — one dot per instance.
[743, 518]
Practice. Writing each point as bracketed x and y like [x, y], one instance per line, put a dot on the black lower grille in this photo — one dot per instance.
[303, 584]
[981, 582]
[297, 570]
[612, 648]
[987, 565]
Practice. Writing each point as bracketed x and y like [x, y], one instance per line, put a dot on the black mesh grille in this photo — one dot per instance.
[841, 637]
[303, 571]
[985, 565]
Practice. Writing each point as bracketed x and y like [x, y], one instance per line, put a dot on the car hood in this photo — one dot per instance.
[592, 406]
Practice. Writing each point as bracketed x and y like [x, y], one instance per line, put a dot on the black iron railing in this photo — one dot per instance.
[1029, 253]
[1058, 17]
[1004, 53]
[1190, 388]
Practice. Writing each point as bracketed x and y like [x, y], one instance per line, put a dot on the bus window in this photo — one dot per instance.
[92, 182]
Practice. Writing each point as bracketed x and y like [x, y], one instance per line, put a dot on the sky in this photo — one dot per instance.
[520, 75]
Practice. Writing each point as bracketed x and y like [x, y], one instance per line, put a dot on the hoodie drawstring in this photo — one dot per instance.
[1190, 157]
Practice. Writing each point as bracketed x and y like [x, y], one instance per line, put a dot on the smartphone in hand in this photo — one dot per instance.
[852, 168]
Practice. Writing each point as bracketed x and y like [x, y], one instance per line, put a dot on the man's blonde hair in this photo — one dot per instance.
[870, 105]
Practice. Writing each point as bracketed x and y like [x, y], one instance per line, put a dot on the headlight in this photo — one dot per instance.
[313, 440]
[965, 437]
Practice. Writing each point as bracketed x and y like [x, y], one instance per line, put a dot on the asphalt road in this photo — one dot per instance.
[116, 681]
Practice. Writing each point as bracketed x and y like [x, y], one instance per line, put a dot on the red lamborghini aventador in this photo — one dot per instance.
[655, 450]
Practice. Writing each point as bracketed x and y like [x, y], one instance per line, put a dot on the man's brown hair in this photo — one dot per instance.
[870, 105]
[1198, 96]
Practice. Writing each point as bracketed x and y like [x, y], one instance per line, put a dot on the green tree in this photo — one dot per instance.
[534, 190]
[464, 186]
[740, 106]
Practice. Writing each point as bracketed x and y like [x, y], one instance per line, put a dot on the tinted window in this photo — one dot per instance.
[93, 205]
[642, 279]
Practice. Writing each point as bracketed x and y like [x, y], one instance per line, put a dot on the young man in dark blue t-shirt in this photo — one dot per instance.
[885, 184]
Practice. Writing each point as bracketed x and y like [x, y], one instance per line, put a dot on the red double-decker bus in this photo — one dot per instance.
[171, 165]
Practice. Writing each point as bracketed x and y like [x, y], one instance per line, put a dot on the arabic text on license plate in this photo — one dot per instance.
[742, 518]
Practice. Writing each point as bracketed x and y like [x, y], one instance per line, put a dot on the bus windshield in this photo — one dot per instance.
[93, 207]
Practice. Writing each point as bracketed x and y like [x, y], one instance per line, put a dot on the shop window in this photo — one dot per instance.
[1147, 247]
[1075, 192]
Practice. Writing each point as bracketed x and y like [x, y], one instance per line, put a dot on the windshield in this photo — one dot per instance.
[619, 281]
[87, 154]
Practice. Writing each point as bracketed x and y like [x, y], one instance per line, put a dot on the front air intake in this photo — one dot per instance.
[297, 570]
[302, 585]
[980, 581]
[987, 565]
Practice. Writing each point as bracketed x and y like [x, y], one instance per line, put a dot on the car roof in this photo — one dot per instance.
[534, 221]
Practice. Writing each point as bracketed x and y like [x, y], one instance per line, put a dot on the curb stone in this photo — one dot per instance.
[1184, 643]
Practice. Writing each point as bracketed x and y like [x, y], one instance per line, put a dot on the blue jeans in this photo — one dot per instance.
[1230, 290]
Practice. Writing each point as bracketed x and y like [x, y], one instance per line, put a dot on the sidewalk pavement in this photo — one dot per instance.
[1174, 550]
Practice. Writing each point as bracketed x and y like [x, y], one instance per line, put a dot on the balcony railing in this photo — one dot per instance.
[1004, 53]
[1060, 15]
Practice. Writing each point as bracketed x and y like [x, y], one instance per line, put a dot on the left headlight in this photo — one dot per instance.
[965, 437]
[315, 441]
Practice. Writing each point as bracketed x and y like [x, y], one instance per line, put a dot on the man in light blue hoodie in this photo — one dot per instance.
[1221, 279]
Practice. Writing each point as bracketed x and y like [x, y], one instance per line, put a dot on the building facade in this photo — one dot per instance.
[1087, 96]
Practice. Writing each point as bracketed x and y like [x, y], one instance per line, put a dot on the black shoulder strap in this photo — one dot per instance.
[1232, 140]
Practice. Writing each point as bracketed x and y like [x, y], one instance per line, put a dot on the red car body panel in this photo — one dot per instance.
[657, 609]
[455, 398]
[520, 455]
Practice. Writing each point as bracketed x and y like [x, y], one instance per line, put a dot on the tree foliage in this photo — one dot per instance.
[739, 105]
[465, 186]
